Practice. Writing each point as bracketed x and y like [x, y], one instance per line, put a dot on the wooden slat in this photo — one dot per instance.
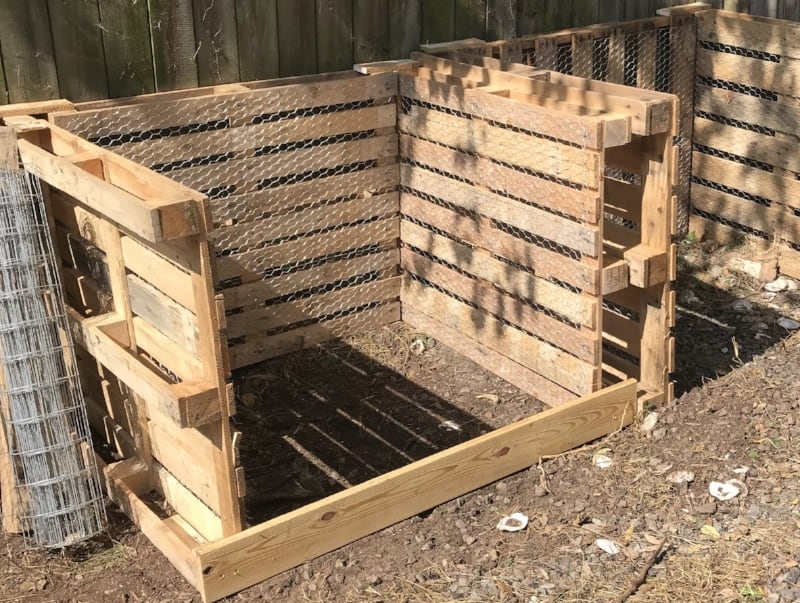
[245, 174]
[187, 506]
[480, 263]
[779, 152]
[282, 315]
[370, 30]
[583, 130]
[166, 351]
[250, 265]
[501, 19]
[775, 218]
[257, 205]
[530, 17]
[777, 77]
[234, 140]
[780, 116]
[296, 19]
[78, 49]
[623, 199]
[735, 29]
[561, 161]
[316, 218]
[173, 42]
[581, 237]
[126, 41]
[173, 320]
[518, 375]
[163, 111]
[335, 35]
[261, 348]
[159, 272]
[582, 204]
[789, 262]
[773, 186]
[27, 51]
[404, 27]
[616, 57]
[438, 20]
[257, 32]
[623, 332]
[483, 294]
[471, 19]
[276, 545]
[258, 292]
[217, 51]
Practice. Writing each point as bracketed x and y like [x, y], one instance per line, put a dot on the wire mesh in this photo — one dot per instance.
[57, 484]
[654, 58]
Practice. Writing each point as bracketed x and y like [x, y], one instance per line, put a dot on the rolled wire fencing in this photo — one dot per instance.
[58, 493]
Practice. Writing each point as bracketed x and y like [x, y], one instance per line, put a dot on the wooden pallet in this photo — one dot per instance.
[500, 201]
[746, 166]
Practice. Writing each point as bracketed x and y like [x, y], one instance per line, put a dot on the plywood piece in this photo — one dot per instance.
[274, 546]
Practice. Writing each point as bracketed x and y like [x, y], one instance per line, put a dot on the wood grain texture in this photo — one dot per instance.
[297, 39]
[27, 51]
[126, 41]
[257, 32]
[173, 40]
[217, 46]
[530, 17]
[264, 550]
[370, 30]
[405, 30]
[78, 49]
[438, 20]
[471, 19]
[335, 29]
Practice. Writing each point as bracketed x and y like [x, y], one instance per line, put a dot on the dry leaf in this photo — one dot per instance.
[493, 398]
[609, 546]
[710, 531]
[652, 539]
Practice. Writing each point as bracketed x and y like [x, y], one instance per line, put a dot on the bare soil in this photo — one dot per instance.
[737, 416]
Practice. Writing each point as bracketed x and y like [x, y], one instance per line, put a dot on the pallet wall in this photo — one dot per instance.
[302, 181]
[746, 168]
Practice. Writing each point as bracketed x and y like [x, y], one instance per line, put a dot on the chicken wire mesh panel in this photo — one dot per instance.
[303, 187]
[500, 232]
[659, 58]
[58, 487]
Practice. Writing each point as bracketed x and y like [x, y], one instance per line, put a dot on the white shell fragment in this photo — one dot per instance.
[649, 422]
[680, 477]
[724, 490]
[450, 426]
[513, 523]
[608, 546]
[601, 460]
[417, 347]
[788, 323]
[781, 284]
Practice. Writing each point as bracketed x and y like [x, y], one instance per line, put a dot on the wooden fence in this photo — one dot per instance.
[91, 49]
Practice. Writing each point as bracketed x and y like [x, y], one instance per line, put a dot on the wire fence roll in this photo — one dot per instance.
[58, 492]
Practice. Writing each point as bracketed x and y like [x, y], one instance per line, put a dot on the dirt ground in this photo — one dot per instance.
[737, 416]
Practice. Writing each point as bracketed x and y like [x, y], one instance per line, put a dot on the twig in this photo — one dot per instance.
[642, 575]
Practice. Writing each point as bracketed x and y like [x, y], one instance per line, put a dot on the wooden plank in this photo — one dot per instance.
[257, 32]
[528, 381]
[773, 186]
[258, 205]
[126, 41]
[370, 30]
[187, 404]
[626, 334]
[502, 20]
[250, 265]
[583, 130]
[384, 66]
[247, 138]
[405, 29]
[530, 17]
[314, 307]
[582, 204]
[760, 147]
[480, 263]
[789, 10]
[164, 111]
[470, 19]
[762, 34]
[256, 293]
[27, 51]
[580, 237]
[296, 19]
[585, 12]
[783, 117]
[490, 298]
[9, 157]
[165, 351]
[188, 506]
[777, 77]
[646, 62]
[279, 544]
[171, 319]
[623, 199]
[78, 49]
[215, 30]
[315, 218]
[334, 34]
[173, 42]
[639, 9]
[36, 108]
[557, 15]
[261, 348]
[616, 57]
[582, 56]
[3, 87]
[438, 20]
[246, 175]
[133, 213]
[789, 262]
[541, 155]
[774, 219]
